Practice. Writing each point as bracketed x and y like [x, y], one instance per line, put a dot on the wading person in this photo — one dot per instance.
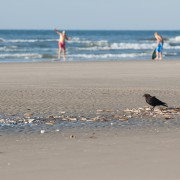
[62, 43]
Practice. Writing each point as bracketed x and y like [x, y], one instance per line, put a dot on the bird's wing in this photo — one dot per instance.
[157, 101]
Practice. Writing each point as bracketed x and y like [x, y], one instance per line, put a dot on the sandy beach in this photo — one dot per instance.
[85, 87]
[82, 88]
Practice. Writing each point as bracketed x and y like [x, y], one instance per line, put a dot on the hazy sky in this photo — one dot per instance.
[90, 14]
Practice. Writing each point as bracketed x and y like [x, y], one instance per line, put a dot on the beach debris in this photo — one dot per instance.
[83, 119]
[108, 110]
[30, 120]
[71, 136]
[28, 115]
[42, 131]
[93, 136]
[167, 117]
[50, 123]
[72, 119]
[99, 110]
[51, 117]
[63, 112]
[2, 120]
[164, 113]
[124, 118]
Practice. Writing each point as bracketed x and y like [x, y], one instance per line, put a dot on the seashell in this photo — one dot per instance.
[116, 116]
[51, 117]
[50, 123]
[2, 120]
[123, 119]
[83, 119]
[30, 120]
[157, 110]
[167, 117]
[103, 119]
[129, 116]
[99, 110]
[64, 119]
[63, 112]
[174, 110]
[108, 110]
[72, 119]
[148, 109]
[91, 120]
[71, 136]
[42, 131]
[28, 115]
[127, 110]
[92, 137]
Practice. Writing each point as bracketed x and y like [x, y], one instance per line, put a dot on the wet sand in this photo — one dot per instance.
[92, 154]
[82, 88]
[45, 88]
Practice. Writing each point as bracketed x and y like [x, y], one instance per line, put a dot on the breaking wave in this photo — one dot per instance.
[105, 56]
[24, 56]
[29, 40]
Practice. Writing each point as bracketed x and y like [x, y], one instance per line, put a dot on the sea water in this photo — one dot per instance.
[85, 45]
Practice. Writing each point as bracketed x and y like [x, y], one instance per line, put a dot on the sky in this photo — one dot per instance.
[90, 14]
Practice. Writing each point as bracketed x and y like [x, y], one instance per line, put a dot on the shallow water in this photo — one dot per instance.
[142, 117]
[46, 126]
[41, 45]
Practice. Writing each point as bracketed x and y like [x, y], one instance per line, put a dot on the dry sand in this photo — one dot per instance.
[82, 88]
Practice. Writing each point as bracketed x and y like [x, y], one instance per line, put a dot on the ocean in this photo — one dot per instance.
[85, 45]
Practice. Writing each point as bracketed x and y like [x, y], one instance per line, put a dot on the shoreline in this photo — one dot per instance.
[55, 60]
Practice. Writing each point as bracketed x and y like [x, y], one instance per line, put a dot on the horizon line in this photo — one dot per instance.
[93, 29]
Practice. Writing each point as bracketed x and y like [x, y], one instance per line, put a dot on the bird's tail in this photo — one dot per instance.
[165, 105]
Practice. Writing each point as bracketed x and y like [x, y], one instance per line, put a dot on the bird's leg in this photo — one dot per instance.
[152, 109]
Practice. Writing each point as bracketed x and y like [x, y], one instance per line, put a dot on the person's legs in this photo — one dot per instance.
[157, 55]
[59, 53]
[64, 54]
[160, 49]
[62, 47]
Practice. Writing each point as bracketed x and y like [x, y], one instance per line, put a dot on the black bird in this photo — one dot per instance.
[153, 101]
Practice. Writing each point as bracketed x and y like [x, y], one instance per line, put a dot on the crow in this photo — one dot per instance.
[153, 101]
